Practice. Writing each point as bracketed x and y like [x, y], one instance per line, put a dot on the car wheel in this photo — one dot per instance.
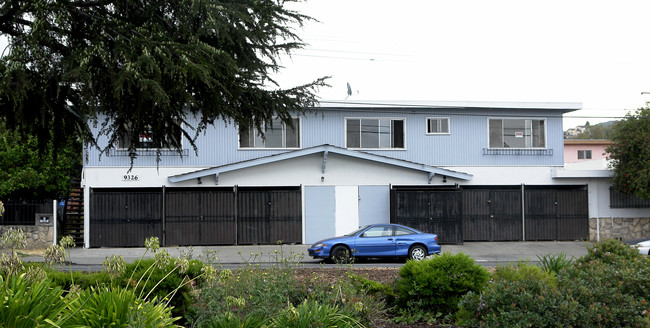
[340, 254]
[417, 253]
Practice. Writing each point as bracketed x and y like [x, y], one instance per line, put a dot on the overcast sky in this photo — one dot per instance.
[593, 52]
[589, 51]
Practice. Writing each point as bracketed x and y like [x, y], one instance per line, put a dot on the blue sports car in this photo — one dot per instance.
[377, 240]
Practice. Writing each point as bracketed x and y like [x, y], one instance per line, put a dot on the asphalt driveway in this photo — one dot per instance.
[485, 253]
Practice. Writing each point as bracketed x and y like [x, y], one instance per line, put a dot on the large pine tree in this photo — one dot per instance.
[145, 65]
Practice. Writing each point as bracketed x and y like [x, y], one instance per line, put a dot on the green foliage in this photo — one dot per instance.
[145, 277]
[27, 172]
[610, 251]
[372, 287]
[524, 271]
[252, 293]
[436, 285]
[83, 280]
[598, 131]
[630, 153]
[116, 307]
[606, 288]
[230, 320]
[26, 304]
[12, 239]
[310, 314]
[145, 66]
[554, 263]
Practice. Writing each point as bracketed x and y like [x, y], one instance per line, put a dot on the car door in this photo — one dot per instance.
[376, 241]
[404, 238]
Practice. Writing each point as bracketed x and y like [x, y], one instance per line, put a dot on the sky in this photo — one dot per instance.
[592, 52]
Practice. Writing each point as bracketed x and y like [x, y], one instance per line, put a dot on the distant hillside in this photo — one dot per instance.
[588, 131]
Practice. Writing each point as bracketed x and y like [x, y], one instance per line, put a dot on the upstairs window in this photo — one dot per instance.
[438, 125]
[147, 140]
[517, 133]
[276, 135]
[584, 154]
[377, 133]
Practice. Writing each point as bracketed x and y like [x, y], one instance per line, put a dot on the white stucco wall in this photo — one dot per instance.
[347, 209]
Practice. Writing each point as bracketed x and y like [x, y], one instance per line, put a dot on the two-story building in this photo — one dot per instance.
[468, 171]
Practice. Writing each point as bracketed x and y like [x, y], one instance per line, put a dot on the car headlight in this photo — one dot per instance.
[319, 245]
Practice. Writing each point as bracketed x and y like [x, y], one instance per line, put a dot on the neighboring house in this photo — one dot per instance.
[574, 132]
[612, 214]
[468, 171]
[586, 154]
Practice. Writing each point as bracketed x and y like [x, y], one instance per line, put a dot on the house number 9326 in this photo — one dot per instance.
[130, 177]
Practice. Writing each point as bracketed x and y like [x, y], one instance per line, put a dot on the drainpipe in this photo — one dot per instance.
[523, 213]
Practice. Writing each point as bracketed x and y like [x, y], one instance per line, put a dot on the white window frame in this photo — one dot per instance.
[438, 119]
[518, 118]
[584, 153]
[345, 132]
[253, 131]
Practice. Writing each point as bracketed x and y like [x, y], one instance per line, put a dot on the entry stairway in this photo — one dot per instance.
[73, 214]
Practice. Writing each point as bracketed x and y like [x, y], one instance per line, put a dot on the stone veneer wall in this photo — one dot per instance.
[37, 236]
[619, 228]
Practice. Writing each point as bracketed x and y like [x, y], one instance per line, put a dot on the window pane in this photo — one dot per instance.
[514, 132]
[398, 134]
[353, 133]
[244, 138]
[539, 138]
[369, 133]
[399, 231]
[496, 133]
[444, 125]
[293, 134]
[384, 134]
[274, 134]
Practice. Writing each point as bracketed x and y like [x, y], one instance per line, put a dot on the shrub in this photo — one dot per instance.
[116, 307]
[606, 288]
[146, 277]
[25, 304]
[519, 296]
[230, 320]
[311, 314]
[610, 251]
[252, 293]
[554, 263]
[436, 285]
[83, 280]
[523, 271]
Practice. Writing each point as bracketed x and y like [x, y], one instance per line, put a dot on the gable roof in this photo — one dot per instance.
[324, 150]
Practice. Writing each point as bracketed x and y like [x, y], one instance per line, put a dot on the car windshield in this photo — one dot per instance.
[356, 232]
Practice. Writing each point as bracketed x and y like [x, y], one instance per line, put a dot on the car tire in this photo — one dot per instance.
[340, 254]
[417, 253]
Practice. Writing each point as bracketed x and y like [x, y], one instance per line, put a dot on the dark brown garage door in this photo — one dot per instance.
[492, 214]
[200, 217]
[267, 216]
[124, 217]
[195, 216]
[434, 210]
[558, 213]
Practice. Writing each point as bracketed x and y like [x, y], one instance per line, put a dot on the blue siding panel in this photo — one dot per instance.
[218, 145]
